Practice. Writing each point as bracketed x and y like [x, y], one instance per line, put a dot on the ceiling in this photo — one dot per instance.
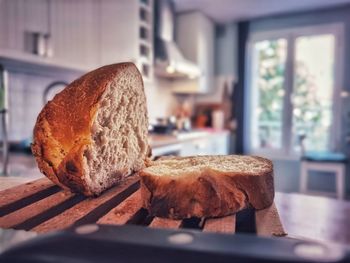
[234, 10]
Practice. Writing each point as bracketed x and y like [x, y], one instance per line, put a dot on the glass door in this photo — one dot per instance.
[293, 82]
[268, 80]
[313, 91]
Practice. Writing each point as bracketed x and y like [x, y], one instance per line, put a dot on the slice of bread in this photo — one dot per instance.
[206, 186]
[94, 132]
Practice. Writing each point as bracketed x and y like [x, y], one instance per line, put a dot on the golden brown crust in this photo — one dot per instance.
[208, 194]
[62, 130]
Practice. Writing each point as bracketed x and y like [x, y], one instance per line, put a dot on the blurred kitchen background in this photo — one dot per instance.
[260, 77]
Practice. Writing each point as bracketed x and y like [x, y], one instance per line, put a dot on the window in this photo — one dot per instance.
[313, 86]
[268, 81]
[293, 82]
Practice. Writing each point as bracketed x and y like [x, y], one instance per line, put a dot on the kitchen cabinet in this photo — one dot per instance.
[195, 147]
[82, 34]
[195, 36]
[213, 144]
[67, 32]
[17, 19]
[97, 33]
[220, 144]
[127, 33]
[74, 32]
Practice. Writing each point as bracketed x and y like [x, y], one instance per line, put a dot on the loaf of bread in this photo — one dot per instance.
[206, 186]
[94, 133]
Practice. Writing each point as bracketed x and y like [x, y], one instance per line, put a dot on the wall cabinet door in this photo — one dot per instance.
[119, 31]
[71, 25]
[220, 144]
[196, 147]
[126, 34]
[75, 31]
[20, 17]
[215, 144]
[83, 34]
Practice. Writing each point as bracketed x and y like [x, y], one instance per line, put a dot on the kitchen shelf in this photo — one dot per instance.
[145, 42]
[146, 6]
[146, 25]
[30, 62]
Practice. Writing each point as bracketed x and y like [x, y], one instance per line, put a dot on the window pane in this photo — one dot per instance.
[313, 90]
[268, 92]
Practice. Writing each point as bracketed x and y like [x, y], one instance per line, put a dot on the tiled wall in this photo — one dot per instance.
[160, 99]
[26, 99]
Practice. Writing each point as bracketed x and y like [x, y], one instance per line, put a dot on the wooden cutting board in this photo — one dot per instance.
[42, 207]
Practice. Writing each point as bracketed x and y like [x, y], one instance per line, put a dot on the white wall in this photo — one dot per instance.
[160, 99]
[26, 100]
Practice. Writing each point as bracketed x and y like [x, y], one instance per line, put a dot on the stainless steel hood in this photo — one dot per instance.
[169, 61]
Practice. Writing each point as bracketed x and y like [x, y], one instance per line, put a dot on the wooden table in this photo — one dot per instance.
[314, 217]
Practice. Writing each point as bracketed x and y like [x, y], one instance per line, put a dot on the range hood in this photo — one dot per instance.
[169, 61]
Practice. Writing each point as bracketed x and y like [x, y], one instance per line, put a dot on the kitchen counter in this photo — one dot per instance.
[197, 142]
[160, 140]
[23, 167]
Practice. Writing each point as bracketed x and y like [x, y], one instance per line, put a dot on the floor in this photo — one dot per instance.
[287, 178]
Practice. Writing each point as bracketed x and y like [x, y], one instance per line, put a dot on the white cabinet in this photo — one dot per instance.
[196, 147]
[220, 143]
[75, 32]
[83, 34]
[213, 144]
[126, 33]
[68, 33]
[96, 33]
[195, 36]
[116, 44]
[17, 19]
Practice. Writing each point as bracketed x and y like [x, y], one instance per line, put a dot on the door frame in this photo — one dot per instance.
[290, 34]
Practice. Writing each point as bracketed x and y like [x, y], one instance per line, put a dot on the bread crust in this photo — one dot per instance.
[63, 128]
[207, 194]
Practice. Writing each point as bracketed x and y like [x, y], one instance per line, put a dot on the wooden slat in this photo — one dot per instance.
[121, 214]
[21, 215]
[83, 209]
[225, 224]
[16, 193]
[268, 222]
[158, 222]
